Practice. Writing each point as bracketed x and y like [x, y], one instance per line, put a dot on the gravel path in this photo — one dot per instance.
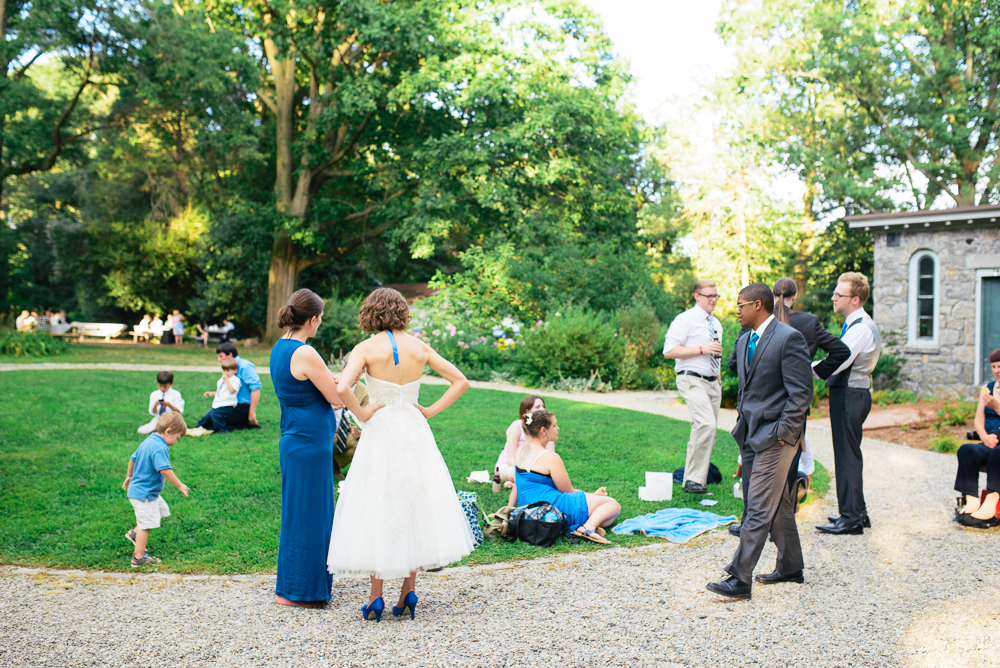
[899, 595]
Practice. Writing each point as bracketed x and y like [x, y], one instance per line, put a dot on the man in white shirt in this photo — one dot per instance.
[851, 401]
[695, 341]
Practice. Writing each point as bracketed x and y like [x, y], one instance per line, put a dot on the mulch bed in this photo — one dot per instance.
[919, 435]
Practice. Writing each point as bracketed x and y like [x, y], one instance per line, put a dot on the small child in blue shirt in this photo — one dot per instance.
[148, 467]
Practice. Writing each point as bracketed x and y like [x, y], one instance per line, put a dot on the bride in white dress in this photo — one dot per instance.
[397, 512]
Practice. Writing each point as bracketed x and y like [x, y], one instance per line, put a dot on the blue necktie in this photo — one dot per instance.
[843, 329]
[751, 347]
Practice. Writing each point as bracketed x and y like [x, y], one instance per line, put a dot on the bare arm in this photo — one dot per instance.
[229, 385]
[513, 436]
[989, 440]
[169, 476]
[558, 472]
[128, 476]
[449, 372]
[355, 363]
[309, 363]
[254, 399]
[687, 352]
[512, 499]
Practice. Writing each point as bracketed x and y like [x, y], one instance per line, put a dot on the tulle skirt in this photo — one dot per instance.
[398, 511]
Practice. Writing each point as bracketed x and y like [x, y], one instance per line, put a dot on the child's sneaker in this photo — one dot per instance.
[146, 560]
[130, 536]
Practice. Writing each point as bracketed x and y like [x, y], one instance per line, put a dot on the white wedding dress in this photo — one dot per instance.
[397, 511]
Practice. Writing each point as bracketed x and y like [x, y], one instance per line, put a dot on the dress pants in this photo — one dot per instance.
[770, 509]
[971, 458]
[240, 418]
[703, 399]
[849, 407]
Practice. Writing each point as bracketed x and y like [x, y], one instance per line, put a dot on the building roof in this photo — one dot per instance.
[963, 215]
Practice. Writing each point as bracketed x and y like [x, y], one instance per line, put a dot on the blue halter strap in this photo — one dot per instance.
[395, 351]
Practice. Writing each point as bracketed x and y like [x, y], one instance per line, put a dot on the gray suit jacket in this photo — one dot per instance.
[775, 391]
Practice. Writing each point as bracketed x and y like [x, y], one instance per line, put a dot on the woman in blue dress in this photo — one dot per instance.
[540, 475]
[973, 456]
[308, 395]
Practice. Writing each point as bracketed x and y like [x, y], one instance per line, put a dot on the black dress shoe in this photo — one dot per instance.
[841, 527]
[735, 529]
[776, 577]
[865, 522]
[731, 587]
[692, 487]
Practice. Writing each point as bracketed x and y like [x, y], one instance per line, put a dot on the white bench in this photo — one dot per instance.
[105, 330]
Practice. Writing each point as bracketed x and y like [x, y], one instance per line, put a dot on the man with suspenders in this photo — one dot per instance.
[851, 401]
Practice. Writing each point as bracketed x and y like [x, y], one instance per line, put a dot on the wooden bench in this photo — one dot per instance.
[105, 330]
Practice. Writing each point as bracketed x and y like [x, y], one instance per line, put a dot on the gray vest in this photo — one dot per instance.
[859, 374]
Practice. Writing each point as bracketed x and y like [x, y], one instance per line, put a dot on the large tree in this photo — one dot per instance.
[429, 121]
[877, 104]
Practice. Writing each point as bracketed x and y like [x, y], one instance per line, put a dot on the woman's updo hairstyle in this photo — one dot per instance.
[383, 309]
[303, 305]
[526, 405]
[537, 421]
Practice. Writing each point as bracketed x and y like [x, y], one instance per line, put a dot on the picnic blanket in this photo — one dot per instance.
[678, 525]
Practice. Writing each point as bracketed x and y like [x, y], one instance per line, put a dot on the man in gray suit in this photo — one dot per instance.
[775, 391]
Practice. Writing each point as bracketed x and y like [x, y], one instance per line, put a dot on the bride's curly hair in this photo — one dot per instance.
[384, 308]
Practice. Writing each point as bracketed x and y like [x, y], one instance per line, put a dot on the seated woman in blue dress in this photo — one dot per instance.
[973, 456]
[541, 476]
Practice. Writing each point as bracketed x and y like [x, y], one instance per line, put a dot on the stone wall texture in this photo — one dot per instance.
[948, 369]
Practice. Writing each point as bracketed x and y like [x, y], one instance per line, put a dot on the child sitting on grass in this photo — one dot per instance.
[148, 467]
[164, 400]
[227, 387]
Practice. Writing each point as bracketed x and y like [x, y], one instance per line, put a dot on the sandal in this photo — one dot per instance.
[591, 535]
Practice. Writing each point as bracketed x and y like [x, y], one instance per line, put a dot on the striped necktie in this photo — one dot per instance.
[343, 431]
[163, 409]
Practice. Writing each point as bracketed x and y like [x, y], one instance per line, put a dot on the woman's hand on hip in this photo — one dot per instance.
[368, 411]
[426, 412]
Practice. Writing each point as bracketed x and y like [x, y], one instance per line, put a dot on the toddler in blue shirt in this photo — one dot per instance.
[148, 467]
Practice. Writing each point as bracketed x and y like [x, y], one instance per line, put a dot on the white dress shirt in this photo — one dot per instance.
[223, 397]
[171, 396]
[859, 339]
[692, 328]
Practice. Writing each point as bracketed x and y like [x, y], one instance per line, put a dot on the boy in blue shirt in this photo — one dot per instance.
[148, 467]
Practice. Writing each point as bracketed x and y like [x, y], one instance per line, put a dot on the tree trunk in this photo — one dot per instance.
[281, 280]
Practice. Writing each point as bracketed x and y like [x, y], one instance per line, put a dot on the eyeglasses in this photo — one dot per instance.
[711, 298]
[837, 295]
[740, 306]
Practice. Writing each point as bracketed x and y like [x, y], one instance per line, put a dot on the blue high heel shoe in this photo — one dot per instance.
[409, 605]
[373, 610]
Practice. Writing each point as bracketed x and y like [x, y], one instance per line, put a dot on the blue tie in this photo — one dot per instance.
[751, 347]
[843, 329]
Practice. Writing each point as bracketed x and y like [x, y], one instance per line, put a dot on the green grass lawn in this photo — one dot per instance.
[67, 437]
[128, 353]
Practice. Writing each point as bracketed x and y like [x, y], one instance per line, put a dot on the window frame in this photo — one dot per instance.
[913, 301]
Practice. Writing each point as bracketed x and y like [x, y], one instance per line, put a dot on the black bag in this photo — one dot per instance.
[539, 524]
[714, 475]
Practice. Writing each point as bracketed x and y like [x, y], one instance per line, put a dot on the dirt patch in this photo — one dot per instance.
[912, 425]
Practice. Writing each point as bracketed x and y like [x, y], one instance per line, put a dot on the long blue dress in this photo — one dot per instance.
[532, 487]
[306, 456]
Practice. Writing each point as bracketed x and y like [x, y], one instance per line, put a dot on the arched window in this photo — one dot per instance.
[923, 298]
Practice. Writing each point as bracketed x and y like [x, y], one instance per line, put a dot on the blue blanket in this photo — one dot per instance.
[675, 524]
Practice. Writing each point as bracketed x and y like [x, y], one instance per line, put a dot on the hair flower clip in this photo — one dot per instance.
[527, 419]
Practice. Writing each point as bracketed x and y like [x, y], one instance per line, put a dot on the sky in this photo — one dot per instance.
[671, 46]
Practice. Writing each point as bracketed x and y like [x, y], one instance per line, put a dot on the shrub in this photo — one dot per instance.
[884, 398]
[956, 414]
[945, 444]
[340, 330]
[31, 344]
[820, 391]
[574, 343]
[888, 372]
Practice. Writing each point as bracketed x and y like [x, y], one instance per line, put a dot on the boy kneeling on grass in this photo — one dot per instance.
[148, 467]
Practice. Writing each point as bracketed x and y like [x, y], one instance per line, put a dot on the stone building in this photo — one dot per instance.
[937, 286]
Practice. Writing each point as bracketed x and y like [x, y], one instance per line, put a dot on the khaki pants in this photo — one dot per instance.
[703, 398]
